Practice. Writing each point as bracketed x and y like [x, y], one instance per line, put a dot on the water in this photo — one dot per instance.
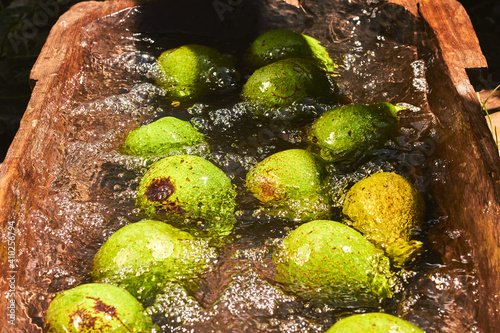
[93, 191]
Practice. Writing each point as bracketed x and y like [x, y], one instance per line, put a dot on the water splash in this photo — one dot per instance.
[93, 191]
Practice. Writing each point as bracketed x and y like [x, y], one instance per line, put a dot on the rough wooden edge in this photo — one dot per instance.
[45, 73]
[459, 49]
[452, 26]
[469, 57]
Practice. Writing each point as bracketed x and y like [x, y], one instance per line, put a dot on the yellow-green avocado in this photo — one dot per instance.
[194, 71]
[328, 260]
[374, 322]
[349, 131]
[288, 81]
[189, 192]
[96, 307]
[291, 184]
[143, 257]
[167, 135]
[386, 208]
[282, 44]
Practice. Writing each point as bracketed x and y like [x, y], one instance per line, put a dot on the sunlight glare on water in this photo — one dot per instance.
[94, 188]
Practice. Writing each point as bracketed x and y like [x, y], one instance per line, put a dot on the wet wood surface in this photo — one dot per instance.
[24, 179]
[470, 198]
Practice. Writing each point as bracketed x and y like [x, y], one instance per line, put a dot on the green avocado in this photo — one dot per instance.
[193, 71]
[164, 136]
[373, 323]
[190, 192]
[291, 184]
[347, 132]
[96, 307]
[143, 257]
[386, 208]
[285, 82]
[282, 44]
[330, 261]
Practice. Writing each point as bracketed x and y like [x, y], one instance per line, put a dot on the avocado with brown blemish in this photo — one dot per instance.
[193, 71]
[282, 44]
[145, 256]
[165, 136]
[288, 81]
[349, 131]
[291, 184]
[190, 192]
[330, 261]
[374, 322]
[96, 307]
[387, 209]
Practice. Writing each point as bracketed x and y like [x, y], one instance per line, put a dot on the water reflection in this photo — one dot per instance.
[93, 191]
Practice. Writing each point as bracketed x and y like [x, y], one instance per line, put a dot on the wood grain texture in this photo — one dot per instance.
[452, 26]
[469, 195]
[23, 178]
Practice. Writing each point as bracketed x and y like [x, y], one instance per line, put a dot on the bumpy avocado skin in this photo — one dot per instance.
[373, 323]
[193, 71]
[143, 257]
[282, 44]
[386, 208]
[191, 193]
[291, 184]
[349, 131]
[284, 82]
[328, 260]
[165, 136]
[96, 307]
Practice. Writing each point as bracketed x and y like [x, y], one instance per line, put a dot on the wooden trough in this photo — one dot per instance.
[466, 195]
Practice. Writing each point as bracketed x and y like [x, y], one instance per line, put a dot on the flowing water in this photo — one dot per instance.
[93, 193]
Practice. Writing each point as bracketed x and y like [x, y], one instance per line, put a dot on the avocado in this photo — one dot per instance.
[285, 82]
[349, 131]
[193, 71]
[330, 261]
[96, 307]
[374, 323]
[144, 256]
[282, 44]
[189, 192]
[291, 184]
[165, 136]
[386, 208]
